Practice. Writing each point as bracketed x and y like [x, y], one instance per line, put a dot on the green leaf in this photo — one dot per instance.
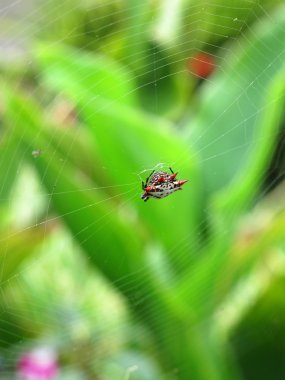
[129, 141]
[247, 182]
[86, 75]
[130, 144]
[229, 125]
[238, 123]
[86, 213]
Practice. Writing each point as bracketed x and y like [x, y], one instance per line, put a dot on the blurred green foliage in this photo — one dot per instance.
[103, 94]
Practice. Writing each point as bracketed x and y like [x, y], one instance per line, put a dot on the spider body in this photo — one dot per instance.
[160, 177]
[161, 184]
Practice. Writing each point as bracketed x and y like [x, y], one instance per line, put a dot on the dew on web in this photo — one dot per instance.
[36, 153]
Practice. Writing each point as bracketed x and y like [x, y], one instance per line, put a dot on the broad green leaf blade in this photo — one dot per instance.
[129, 141]
[75, 145]
[210, 272]
[228, 122]
[130, 144]
[91, 216]
[85, 74]
[248, 182]
[234, 176]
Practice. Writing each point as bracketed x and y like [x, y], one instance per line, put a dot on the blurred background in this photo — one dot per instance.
[95, 283]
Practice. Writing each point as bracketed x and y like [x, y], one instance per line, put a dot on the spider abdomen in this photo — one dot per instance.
[161, 184]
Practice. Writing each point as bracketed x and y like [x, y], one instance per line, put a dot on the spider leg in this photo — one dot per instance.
[146, 181]
[171, 170]
[143, 185]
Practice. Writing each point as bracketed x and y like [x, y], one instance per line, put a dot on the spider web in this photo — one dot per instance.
[100, 320]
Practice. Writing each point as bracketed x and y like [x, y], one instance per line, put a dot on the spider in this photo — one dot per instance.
[160, 184]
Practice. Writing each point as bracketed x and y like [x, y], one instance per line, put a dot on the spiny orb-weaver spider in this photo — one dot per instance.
[161, 184]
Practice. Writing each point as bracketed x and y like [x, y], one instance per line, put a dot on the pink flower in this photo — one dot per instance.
[39, 364]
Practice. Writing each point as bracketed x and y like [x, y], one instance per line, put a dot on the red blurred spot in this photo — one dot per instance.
[201, 65]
